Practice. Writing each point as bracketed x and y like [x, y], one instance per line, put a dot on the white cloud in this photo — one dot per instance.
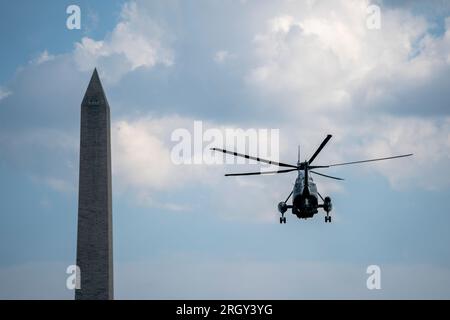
[325, 70]
[142, 163]
[379, 136]
[4, 93]
[43, 138]
[145, 199]
[222, 56]
[140, 157]
[29, 150]
[43, 57]
[137, 41]
[429, 140]
[325, 58]
[59, 184]
[319, 64]
[142, 154]
[329, 73]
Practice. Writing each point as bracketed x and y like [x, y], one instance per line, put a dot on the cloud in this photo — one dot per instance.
[92, 21]
[142, 153]
[428, 139]
[308, 73]
[4, 93]
[380, 92]
[136, 42]
[142, 163]
[378, 136]
[316, 60]
[43, 57]
[58, 184]
[307, 68]
[222, 56]
[47, 156]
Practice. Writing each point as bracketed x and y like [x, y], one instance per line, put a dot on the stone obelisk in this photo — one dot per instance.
[95, 243]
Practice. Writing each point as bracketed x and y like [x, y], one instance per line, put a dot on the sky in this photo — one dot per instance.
[306, 68]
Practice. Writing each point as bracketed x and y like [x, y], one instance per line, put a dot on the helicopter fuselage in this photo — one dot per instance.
[305, 197]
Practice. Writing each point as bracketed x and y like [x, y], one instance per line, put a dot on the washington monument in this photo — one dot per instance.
[94, 242]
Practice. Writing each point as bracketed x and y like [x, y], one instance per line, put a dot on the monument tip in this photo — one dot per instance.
[95, 88]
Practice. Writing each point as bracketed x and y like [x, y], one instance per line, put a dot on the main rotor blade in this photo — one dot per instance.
[324, 142]
[370, 160]
[258, 173]
[290, 194]
[320, 196]
[280, 164]
[324, 175]
[314, 167]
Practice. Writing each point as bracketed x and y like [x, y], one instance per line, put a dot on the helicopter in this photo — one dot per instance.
[305, 203]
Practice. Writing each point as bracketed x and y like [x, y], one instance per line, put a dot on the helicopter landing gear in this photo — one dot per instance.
[282, 208]
[327, 207]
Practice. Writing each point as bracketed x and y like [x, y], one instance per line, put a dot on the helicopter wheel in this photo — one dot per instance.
[327, 219]
[282, 219]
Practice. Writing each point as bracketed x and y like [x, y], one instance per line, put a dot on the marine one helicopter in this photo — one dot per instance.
[305, 203]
